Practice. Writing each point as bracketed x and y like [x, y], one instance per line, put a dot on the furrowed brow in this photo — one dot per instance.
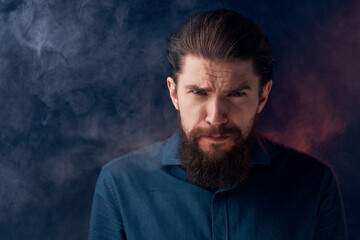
[242, 87]
[195, 87]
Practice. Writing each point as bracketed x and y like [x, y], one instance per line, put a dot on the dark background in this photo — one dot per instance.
[82, 82]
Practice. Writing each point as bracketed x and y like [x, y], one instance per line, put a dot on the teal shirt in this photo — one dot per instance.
[146, 195]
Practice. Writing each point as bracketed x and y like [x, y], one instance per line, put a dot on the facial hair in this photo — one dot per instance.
[217, 168]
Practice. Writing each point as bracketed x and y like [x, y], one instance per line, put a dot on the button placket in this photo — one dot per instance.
[219, 216]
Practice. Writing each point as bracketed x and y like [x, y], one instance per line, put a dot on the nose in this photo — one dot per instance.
[216, 112]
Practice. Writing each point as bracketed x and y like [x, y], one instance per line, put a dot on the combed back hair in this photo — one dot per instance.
[222, 35]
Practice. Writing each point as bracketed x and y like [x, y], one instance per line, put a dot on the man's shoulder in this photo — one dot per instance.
[282, 156]
[143, 159]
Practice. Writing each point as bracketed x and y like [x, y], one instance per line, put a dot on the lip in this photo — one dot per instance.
[216, 138]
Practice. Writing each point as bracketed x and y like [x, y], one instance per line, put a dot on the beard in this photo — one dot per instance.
[216, 168]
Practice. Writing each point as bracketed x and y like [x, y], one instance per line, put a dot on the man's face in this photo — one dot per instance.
[214, 98]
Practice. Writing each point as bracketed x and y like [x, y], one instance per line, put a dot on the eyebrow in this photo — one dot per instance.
[241, 87]
[195, 87]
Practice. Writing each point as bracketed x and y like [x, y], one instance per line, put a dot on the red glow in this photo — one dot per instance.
[322, 82]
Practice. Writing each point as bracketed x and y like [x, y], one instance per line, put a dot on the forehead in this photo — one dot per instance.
[217, 71]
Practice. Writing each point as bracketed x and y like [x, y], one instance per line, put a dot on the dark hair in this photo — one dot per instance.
[221, 34]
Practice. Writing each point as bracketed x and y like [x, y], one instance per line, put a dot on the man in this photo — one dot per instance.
[217, 178]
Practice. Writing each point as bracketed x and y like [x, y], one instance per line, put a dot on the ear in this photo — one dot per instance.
[172, 90]
[264, 96]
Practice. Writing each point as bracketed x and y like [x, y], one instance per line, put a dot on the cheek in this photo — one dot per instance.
[243, 114]
[188, 122]
[188, 104]
[191, 114]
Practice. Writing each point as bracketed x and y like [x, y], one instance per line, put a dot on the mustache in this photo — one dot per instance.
[213, 130]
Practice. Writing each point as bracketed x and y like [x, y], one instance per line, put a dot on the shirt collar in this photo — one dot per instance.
[170, 151]
[260, 151]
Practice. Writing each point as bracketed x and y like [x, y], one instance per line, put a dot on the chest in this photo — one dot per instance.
[181, 213]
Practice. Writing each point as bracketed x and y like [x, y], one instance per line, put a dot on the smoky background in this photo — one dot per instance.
[82, 82]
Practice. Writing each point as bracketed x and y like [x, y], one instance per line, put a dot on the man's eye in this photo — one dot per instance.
[236, 94]
[199, 92]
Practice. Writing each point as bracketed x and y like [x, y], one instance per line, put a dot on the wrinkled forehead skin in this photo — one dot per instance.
[218, 74]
